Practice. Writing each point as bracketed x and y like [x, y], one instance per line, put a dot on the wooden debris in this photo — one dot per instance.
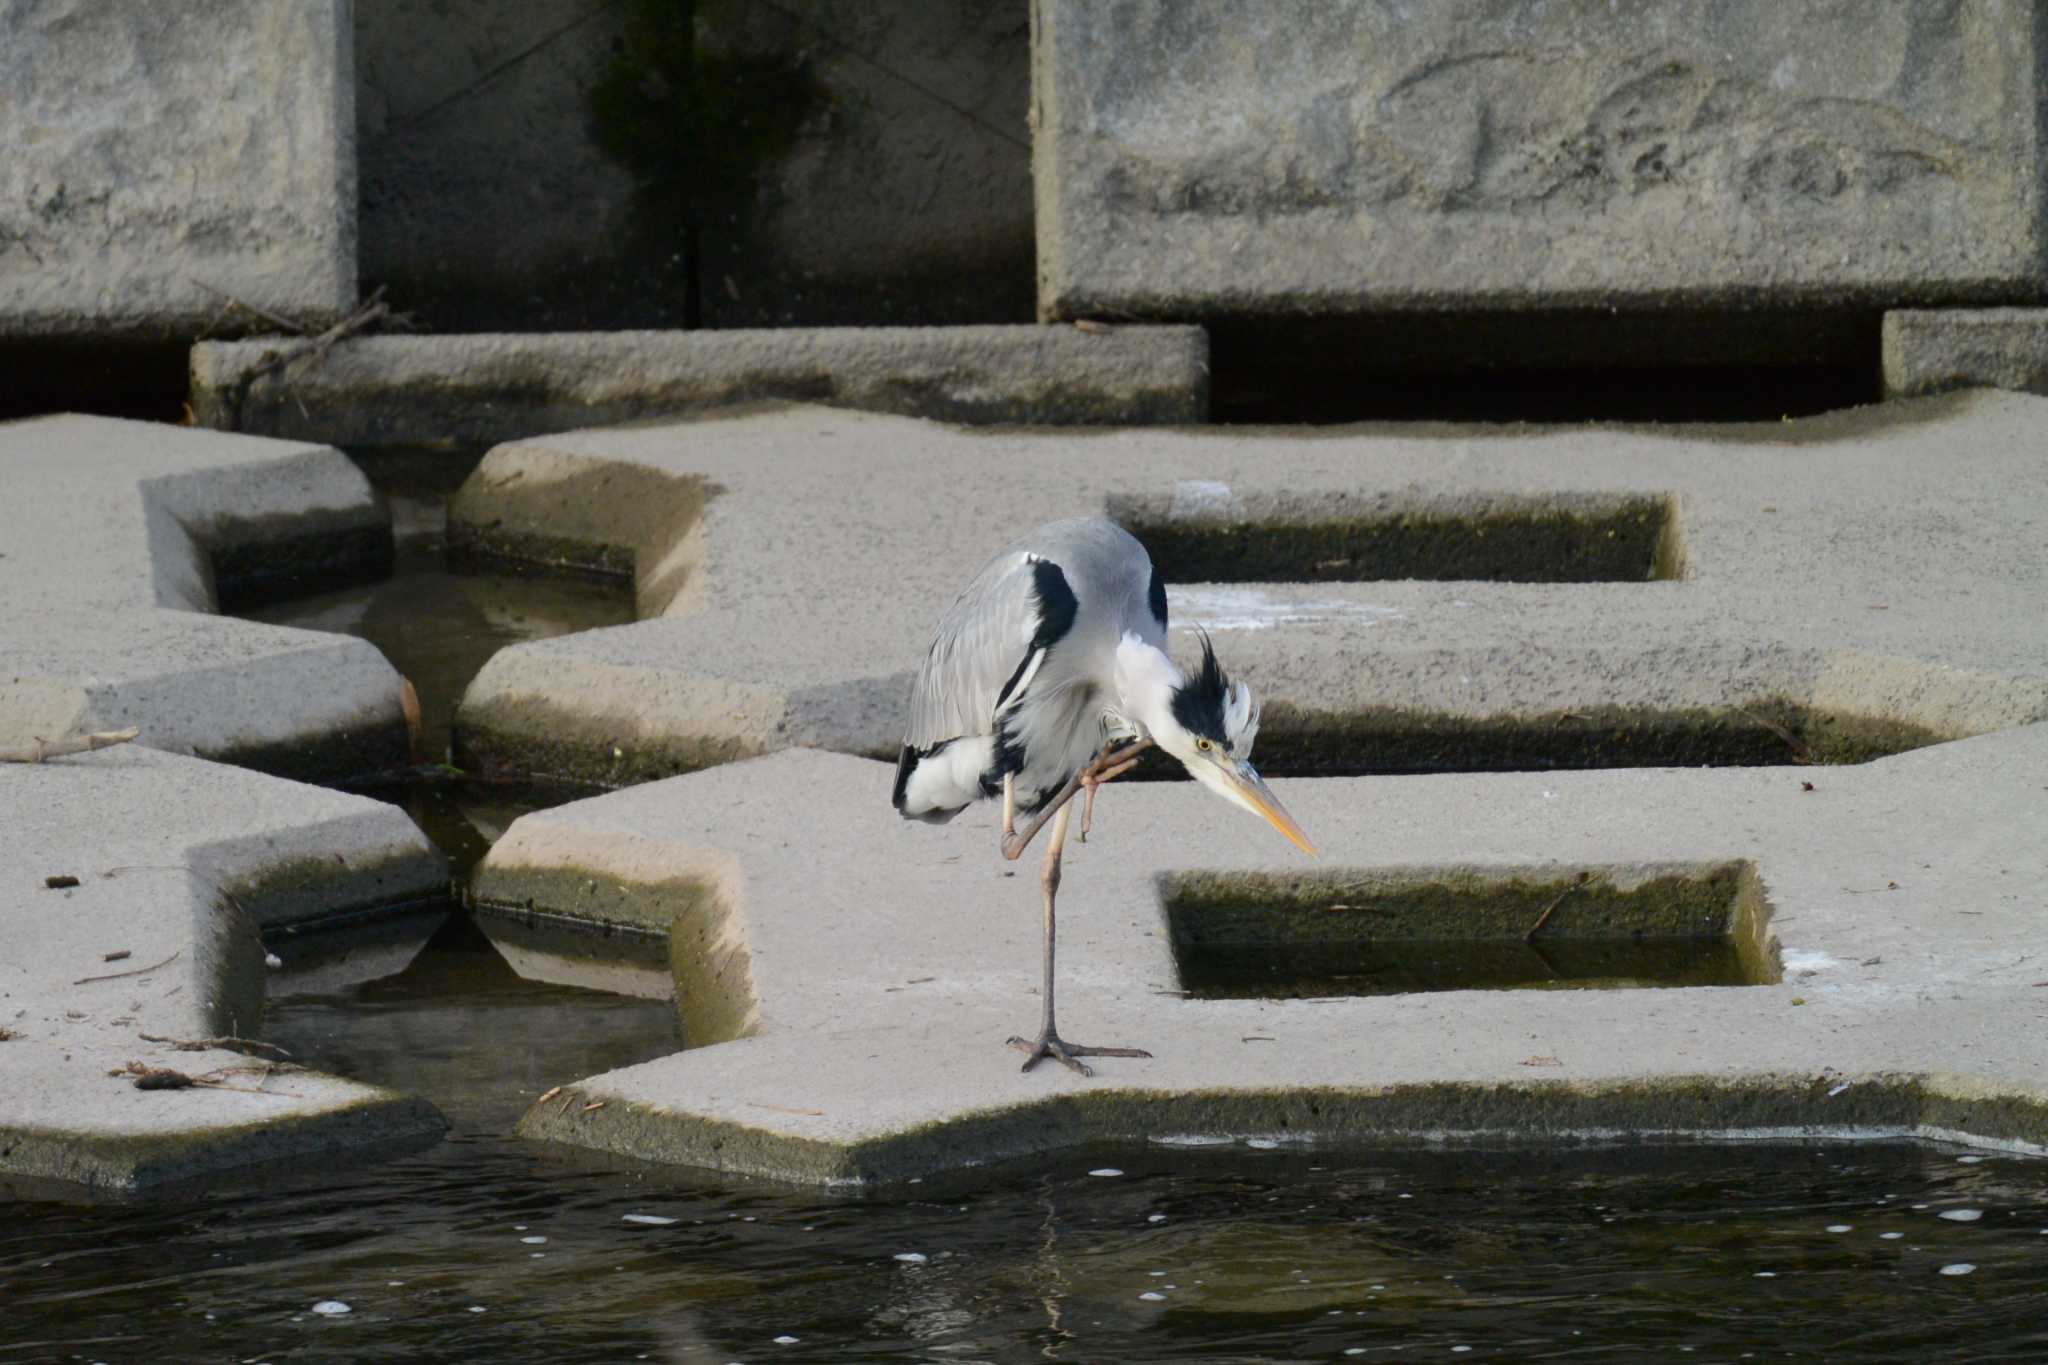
[589, 1107]
[62, 881]
[139, 971]
[1792, 741]
[549, 1094]
[373, 310]
[250, 1047]
[146, 1077]
[1544, 918]
[157, 1077]
[72, 744]
[118, 955]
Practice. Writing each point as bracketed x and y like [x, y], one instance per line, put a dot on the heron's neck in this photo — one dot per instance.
[1145, 682]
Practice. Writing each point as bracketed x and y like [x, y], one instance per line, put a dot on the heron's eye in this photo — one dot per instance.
[1203, 745]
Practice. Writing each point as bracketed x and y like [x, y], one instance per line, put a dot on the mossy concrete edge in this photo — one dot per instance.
[1532, 1114]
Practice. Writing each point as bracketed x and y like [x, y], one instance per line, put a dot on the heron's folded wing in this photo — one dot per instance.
[988, 641]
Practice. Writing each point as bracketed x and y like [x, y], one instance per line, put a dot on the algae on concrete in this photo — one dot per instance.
[1500, 540]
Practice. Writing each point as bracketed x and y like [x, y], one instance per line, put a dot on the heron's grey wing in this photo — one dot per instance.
[987, 645]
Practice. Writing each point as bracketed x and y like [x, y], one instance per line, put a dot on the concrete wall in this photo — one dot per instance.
[161, 158]
[903, 196]
[1201, 159]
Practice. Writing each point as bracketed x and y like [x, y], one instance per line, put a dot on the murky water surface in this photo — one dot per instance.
[438, 627]
[486, 1248]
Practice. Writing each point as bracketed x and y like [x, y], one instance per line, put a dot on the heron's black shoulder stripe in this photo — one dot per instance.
[1198, 702]
[1057, 607]
[1155, 597]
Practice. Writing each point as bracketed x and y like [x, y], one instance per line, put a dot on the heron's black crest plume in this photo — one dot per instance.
[1198, 703]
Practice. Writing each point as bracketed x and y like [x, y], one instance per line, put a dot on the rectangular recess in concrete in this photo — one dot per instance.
[1590, 538]
[1400, 930]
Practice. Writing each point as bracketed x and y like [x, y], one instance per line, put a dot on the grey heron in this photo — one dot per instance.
[1049, 676]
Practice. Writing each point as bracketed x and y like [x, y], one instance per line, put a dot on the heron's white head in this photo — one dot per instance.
[1205, 720]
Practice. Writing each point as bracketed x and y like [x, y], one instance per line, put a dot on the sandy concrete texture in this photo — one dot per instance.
[486, 388]
[118, 541]
[1932, 350]
[180, 864]
[1872, 580]
[165, 157]
[1202, 159]
[847, 979]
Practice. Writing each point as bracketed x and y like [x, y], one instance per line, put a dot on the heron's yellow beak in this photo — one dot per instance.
[1250, 790]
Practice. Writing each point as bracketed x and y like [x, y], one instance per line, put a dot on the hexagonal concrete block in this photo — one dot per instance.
[847, 978]
[1835, 587]
[175, 866]
[164, 159]
[118, 542]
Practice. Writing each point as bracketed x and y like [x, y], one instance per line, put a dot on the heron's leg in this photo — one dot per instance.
[1048, 1043]
[1015, 841]
[1108, 766]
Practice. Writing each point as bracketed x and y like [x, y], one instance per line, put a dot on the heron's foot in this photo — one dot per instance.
[1067, 1054]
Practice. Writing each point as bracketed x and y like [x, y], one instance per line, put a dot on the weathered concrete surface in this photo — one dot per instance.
[1931, 350]
[162, 157]
[857, 973]
[118, 541]
[1866, 581]
[1208, 159]
[487, 388]
[180, 865]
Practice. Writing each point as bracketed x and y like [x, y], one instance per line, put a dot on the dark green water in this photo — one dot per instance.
[489, 1249]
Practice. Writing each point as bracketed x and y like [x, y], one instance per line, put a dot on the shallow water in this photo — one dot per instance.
[486, 1248]
[439, 626]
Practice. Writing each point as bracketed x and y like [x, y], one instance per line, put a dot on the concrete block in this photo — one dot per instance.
[396, 389]
[847, 978]
[180, 865]
[120, 540]
[1847, 585]
[164, 157]
[1931, 350]
[1195, 160]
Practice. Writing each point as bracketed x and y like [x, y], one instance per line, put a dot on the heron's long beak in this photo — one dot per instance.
[1243, 782]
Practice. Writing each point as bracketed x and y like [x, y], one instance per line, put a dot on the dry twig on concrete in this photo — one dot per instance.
[139, 971]
[230, 301]
[372, 310]
[251, 1047]
[71, 744]
[1543, 918]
